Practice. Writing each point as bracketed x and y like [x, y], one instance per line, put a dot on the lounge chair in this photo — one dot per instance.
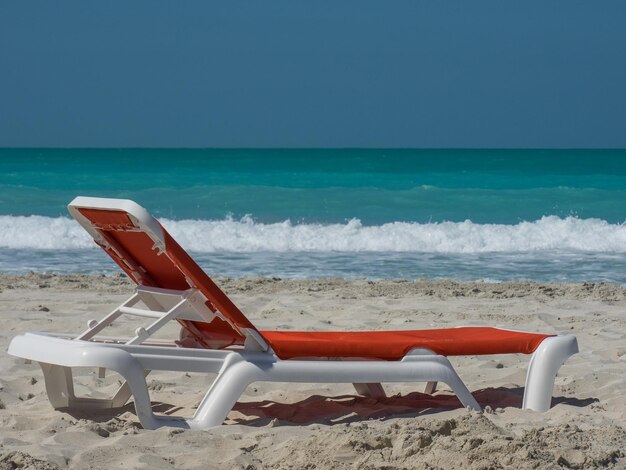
[216, 337]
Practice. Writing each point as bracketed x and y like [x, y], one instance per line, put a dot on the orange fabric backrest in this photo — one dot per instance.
[133, 250]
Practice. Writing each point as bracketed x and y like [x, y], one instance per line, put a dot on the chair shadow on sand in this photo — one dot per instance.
[349, 408]
[344, 408]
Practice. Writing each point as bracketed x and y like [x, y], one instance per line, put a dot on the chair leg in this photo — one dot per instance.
[223, 394]
[59, 382]
[544, 364]
[373, 390]
[134, 374]
[123, 393]
[460, 390]
[431, 387]
[59, 385]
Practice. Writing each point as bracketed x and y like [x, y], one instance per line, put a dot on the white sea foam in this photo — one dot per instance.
[246, 235]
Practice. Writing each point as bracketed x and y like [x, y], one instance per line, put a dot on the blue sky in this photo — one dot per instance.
[313, 74]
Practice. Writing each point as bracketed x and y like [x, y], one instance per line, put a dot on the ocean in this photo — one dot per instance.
[544, 215]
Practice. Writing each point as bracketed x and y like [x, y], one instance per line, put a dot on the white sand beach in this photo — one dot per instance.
[328, 426]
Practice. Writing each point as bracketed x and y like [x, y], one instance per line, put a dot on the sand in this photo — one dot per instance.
[328, 426]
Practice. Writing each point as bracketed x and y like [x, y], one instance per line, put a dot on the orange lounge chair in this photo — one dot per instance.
[216, 337]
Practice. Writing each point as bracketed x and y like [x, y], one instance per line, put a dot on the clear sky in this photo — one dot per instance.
[293, 73]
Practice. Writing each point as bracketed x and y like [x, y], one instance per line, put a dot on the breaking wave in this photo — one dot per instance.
[246, 235]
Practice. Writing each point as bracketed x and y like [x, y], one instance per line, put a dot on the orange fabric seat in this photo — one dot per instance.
[393, 345]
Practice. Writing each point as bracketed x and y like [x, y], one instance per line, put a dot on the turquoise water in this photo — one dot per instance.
[470, 214]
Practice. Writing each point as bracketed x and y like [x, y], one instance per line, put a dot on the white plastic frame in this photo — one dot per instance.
[237, 369]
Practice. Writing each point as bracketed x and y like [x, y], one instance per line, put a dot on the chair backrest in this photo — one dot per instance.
[150, 256]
